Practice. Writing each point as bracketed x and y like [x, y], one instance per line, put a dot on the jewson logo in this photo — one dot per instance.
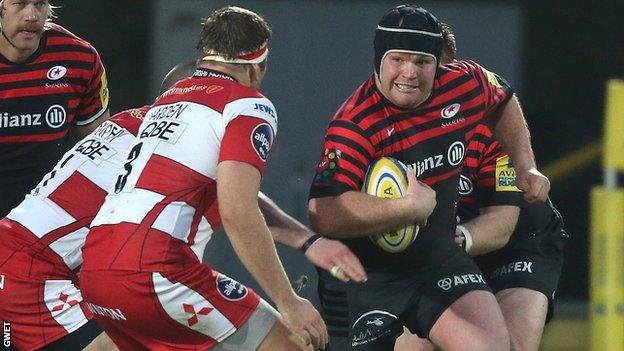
[262, 140]
[230, 289]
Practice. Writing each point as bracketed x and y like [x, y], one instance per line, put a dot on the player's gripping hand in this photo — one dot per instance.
[534, 184]
[304, 320]
[327, 253]
[422, 196]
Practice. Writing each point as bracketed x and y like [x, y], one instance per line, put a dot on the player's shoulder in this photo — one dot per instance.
[458, 68]
[130, 119]
[59, 35]
[356, 108]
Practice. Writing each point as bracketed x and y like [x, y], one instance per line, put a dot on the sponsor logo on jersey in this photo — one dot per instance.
[112, 313]
[21, 120]
[56, 72]
[520, 266]
[371, 326]
[267, 110]
[55, 116]
[209, 89]
[230, 289]
[454, 156]
[505, 175]
[1, 281]
[465, 185]
[448, 282]
[455, 153]
[428, 163]
[262, 140]
[450, 110]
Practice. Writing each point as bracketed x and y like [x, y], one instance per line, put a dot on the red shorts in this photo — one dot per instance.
[40, 312]
[37, 292]
[194, 308]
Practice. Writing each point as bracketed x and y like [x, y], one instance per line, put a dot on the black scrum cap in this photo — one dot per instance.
[410, 29]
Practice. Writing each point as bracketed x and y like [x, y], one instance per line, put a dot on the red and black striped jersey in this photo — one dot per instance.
[63, 84]
[432, 138]
[489, 179]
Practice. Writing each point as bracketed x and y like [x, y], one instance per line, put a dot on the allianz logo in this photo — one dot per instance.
[54, 117]
[454, 156]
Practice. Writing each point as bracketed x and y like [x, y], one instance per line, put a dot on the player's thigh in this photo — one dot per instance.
[262, 328]
[524, 311]
[102, 343]
[412, 342]
[280, 338]
[475, 317]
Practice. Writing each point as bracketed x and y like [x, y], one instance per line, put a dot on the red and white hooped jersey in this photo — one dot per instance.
[55, 216]
[164, 207]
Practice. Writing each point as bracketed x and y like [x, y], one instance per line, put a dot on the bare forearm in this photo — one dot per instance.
[284, 228]
[512, 131]
[492, 229]
[354, 214]
[254, 246]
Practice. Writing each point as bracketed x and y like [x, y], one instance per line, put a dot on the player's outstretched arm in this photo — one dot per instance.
[489, 231]
[323, 252]
[237, 191]
[512, 132]
[356, 214]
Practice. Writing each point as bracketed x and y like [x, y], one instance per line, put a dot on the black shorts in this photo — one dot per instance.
[371, 316]
[533, 262]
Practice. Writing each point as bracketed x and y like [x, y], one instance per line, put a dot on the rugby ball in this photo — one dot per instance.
[387, 177]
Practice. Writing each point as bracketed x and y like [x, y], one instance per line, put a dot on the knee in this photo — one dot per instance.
[496, 340]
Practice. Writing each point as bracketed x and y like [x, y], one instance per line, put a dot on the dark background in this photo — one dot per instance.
[568, 51]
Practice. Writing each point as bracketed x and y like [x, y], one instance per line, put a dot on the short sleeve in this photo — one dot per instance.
[496, 179]
[249, 140]
[496, 89]
[345, 157]
[94, 100]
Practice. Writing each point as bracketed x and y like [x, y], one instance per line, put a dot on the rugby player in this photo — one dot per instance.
[422, 113]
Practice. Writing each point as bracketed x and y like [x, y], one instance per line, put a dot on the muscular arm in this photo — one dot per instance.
[355, 214]
[492, 229]
[237, 191]
[511, 130]
[284, 228]
[324, 253]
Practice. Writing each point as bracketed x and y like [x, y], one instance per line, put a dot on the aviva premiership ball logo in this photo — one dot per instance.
[387, 178]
